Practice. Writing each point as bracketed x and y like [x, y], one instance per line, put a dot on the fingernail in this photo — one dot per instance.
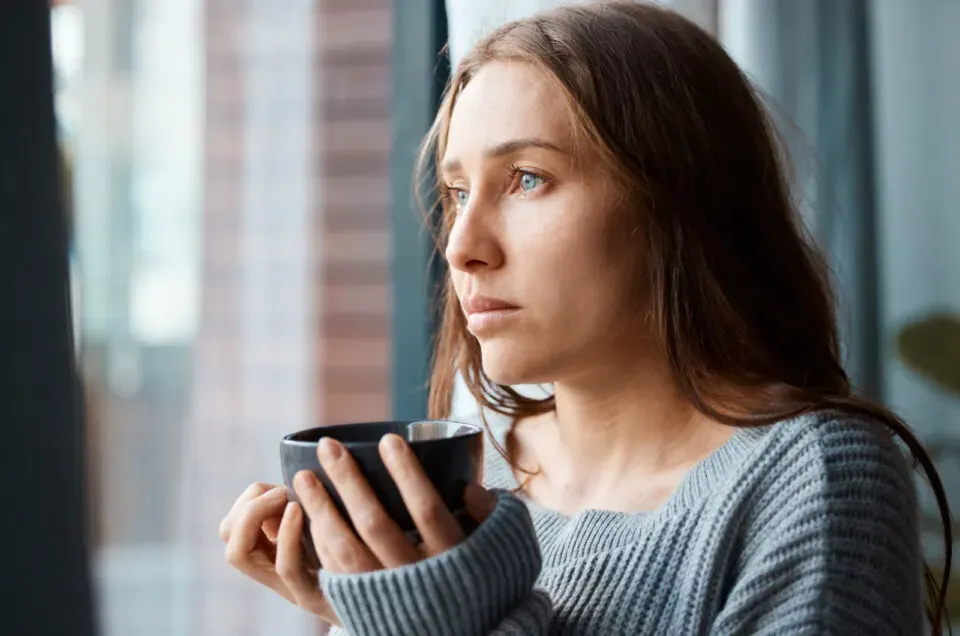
[329, 450]
[307, 479]
[392, 445]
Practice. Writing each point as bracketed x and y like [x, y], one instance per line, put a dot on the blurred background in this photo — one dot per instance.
[245, 260]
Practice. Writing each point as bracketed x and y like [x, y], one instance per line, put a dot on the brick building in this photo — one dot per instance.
[284, 308]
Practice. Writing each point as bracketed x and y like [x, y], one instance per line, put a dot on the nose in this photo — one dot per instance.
[473, 245]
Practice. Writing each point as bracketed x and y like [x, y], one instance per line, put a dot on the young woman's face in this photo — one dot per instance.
[539, 251]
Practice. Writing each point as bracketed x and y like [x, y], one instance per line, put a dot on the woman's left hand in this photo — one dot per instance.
[381, 543]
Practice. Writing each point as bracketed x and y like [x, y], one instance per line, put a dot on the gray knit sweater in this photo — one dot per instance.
[809, 526]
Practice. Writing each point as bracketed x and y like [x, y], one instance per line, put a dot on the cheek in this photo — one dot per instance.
[591, 279]
[576, 258]
[577, 254]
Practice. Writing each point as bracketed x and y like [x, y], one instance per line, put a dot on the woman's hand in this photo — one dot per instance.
[381, 543]
[262, 533]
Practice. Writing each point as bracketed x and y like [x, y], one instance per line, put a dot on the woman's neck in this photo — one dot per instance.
[617, 441]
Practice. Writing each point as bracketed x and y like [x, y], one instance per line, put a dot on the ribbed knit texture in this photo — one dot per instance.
[808, 526]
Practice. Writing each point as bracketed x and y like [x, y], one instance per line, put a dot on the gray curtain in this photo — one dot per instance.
[812, 61]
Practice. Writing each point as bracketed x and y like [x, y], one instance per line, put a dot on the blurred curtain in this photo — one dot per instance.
[419, 77]
[254, 373]
[812, 60]
[46, 583]
[916, 89]
[469, 21]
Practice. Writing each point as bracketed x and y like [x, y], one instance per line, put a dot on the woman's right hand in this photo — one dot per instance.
[262, 536]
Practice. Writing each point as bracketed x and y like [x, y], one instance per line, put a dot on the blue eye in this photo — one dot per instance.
[461, 197]
[529, 181]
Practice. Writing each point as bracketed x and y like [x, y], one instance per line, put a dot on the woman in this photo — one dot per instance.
[617, 223]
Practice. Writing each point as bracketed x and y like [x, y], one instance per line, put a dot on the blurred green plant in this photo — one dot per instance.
[931, 347]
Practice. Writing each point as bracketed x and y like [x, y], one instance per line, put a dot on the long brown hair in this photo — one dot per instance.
[740, 297]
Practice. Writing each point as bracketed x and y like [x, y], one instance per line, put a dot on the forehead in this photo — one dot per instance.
[506, 101]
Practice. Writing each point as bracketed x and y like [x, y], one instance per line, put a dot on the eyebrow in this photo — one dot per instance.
[506, 148]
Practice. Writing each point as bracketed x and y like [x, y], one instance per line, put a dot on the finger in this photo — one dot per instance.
[479, 502]
[438, 527]
[271, 528]
[246, 535]
[375, 527]
[252, 492]
[340, 550]
[260, 568]
[303, 585]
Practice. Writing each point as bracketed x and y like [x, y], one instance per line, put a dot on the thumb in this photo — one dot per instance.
[479, 502]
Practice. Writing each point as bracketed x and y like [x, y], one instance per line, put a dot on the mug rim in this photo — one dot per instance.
[474, 429]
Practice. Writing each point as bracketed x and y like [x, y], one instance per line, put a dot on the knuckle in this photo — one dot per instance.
[247, 516]
[343, 551]
[247, 511]
[431, 512]
[372, 523]
[256, 489]
[319, 504]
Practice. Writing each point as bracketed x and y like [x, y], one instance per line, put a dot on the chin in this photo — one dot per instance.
[505, 363]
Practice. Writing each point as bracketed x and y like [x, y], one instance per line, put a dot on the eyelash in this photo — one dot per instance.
[449, 192]
[448, 197]
[517, 171]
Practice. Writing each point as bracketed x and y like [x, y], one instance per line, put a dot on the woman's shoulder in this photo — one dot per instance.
[830, 461]
[838, 441]
[826, 511]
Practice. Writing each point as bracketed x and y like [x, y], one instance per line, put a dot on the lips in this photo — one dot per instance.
[488, 316]
[482, 304]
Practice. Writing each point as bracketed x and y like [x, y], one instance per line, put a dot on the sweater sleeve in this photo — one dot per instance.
[835, 548]
[483, 586]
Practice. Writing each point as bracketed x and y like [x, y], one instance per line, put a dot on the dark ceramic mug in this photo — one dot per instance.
[451, 454]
